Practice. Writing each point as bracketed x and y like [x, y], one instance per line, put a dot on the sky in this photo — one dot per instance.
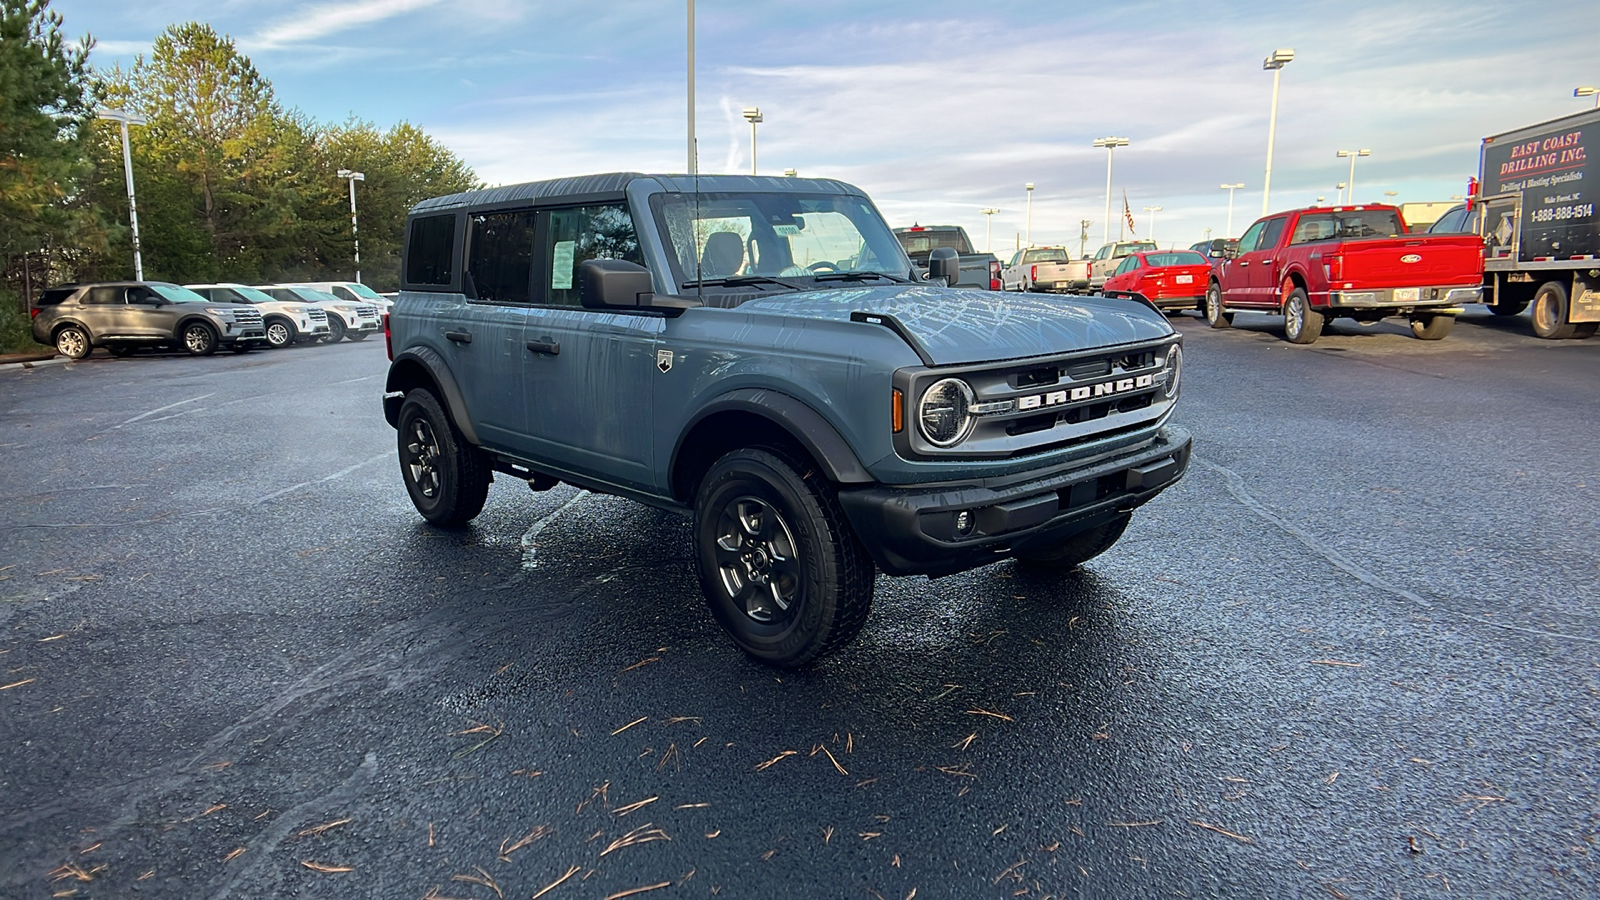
[938, 109]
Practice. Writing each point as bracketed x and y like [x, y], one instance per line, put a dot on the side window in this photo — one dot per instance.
[1273, 231]
[344, 293]
[1313, 228]
[1253, 234]
[575, 235]
[1127, 265]
[141, 295]
[102, 296]
[500, 256]
[428, 251]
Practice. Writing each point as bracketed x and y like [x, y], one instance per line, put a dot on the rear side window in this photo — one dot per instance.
[500, 256]
[54, 296]
[103, 296]
[428, 251]
[582, 233]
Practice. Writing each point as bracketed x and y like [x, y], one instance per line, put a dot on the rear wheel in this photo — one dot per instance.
[1550, 312]
[1301, 323]
[1215, 316]
[73, 342]
[781, 569]
[1432, 327]
[1074, 551]
[447, 478]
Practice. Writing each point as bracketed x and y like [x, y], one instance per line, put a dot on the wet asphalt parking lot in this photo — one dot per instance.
[1355, 653]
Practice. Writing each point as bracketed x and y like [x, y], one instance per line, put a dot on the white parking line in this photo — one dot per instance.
[165, 408]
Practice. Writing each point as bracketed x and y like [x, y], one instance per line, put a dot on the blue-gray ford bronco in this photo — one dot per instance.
[760, 354]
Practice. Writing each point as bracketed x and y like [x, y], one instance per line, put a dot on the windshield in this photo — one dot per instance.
[1355, 223]
[177, 294]
[727, 236]
[919, 243]
[1039, 256]
[1176, 258]
[252, 295]
[362, 291]
[1125, 249]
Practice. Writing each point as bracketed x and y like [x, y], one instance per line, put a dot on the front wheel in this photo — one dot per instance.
[199, 339]
[280, 334]
[1301, 323]
[1067, 555]
[1432, 328]
[1216, 317]
[447, 478]
[781, 569]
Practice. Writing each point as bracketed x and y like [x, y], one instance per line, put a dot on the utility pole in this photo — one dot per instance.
[1083, 236]
[694, 165]
[354, 177]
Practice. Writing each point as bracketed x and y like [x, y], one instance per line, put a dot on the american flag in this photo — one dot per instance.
[1127, 213]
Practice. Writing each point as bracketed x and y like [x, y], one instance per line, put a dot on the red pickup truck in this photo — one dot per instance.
[1358, 262]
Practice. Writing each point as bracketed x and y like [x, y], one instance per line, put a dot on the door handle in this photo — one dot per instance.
[1244, 263]
[460, 337]
[548, 348]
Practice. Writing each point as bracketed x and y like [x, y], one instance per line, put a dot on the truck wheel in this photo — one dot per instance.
[73, 342]
[1216, 317]
[1074, 551]
[1432, 328]
[781, 568]
[1550, 312]
[199, 339]
[1301, 323]
[447, 478]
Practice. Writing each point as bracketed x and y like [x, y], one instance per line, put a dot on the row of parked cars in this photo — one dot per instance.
[125, 316]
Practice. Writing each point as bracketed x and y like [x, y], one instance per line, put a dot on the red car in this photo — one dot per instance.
[1171, 279]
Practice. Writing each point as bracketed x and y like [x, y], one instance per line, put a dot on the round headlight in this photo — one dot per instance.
[1173, 371]
[945, 412]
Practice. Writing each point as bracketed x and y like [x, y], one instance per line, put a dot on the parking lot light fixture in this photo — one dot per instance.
[988, 236]
[125, 118]
[1391, 195]
[1029, 227]
[1111, 144]
[1274, 64]
[1352, 179]
[752, 114]
[1152, 210]
[355, 234]
[1230, 188]
[1588, 91]
[1338, 199]
[790, 173]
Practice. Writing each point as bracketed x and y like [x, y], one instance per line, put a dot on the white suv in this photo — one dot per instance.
[286, 321]
[353, 291]
[346, 319]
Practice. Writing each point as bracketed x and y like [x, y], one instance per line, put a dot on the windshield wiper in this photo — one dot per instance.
[742, 281]
[860, 276]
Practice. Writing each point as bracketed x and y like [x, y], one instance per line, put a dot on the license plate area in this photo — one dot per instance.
[1185, 279]
[1406, 295]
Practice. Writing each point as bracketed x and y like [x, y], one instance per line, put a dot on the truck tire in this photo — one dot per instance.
[447, 478]
[1432, 327]
[1067, 555]
[781, 569]
[1550, 312]
[1301, 323]
[1216, 316]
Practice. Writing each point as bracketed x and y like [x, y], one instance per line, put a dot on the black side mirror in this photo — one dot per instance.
[945, 263]
[614, 284]
[1230, 249]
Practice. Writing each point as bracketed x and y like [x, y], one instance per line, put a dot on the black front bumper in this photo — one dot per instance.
[912, 530]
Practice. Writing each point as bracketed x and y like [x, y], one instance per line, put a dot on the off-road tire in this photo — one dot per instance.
[1212, 307]
[1432, 327]
[280, 333]
[1301, 323]
[828, 578]
[73, 342]
[1550, 312]
[447, 478]
[1074, 551]
[198, 339]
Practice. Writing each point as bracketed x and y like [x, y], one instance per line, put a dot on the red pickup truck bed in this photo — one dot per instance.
[1358, 262]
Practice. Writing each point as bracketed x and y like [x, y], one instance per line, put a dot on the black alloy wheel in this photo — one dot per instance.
[199, 339]
[447, 478]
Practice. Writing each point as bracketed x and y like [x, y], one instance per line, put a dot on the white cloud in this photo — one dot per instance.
[310, 23]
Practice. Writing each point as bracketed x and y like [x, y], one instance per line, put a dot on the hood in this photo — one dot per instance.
[957, 326]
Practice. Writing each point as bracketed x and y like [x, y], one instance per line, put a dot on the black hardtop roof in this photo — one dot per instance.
[614, 185]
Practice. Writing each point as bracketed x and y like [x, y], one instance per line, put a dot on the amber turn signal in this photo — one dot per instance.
[899, 412]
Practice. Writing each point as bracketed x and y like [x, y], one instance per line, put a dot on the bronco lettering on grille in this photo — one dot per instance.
[1086, 392]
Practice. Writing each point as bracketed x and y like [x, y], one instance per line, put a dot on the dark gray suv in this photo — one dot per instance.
[125, 315]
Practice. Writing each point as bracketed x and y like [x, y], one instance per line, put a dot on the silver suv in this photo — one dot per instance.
[125, 315]
[286, 322]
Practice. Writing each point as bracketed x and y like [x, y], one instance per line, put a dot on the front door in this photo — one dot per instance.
[1263, 265]
[590, 374]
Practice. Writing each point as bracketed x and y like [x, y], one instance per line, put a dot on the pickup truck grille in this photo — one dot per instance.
[1034, 406]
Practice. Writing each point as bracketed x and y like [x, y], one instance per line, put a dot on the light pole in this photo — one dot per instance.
[1321, 198]
[752, 114]
[1111, 144]
[1275, 64]
[790, 173]
[1152, 210]
[125, 119]
[1083, 235]
[1338, 199]
[694, 164]
[355, 234]
[1230, 188]
[1391, 195]
[1587, 91]
[988, 237]
[1029, 188]
[1352, 179]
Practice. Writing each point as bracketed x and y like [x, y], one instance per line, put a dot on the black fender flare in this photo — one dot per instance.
[439, 371]
[807, 426]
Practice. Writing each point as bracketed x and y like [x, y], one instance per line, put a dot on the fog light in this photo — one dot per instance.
[964, 522]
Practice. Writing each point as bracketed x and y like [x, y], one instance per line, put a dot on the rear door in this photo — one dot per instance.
[486, 348]
[103, 310]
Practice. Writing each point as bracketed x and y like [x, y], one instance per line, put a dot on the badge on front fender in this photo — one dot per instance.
[664, 360]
